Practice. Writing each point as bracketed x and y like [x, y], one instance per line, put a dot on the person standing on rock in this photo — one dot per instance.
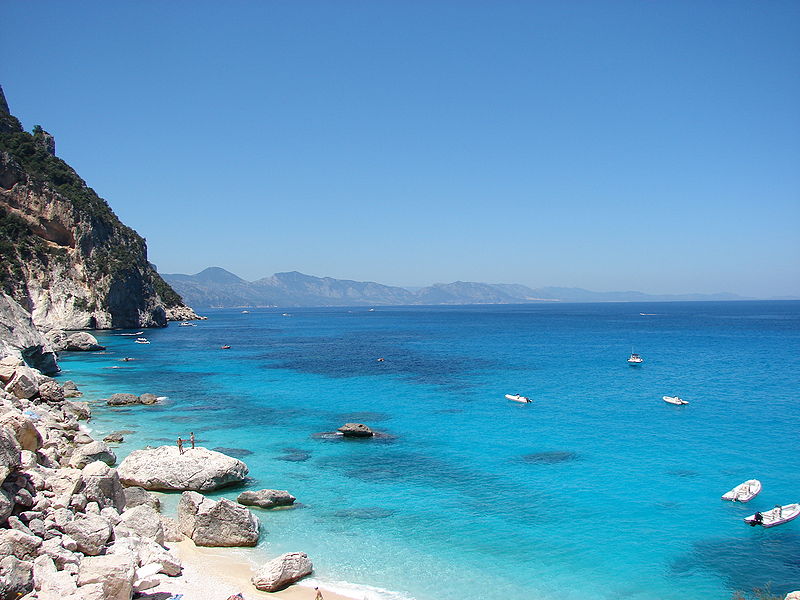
[191, 438]
[180, 445]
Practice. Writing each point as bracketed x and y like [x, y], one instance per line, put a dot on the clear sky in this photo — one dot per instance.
[609, 145]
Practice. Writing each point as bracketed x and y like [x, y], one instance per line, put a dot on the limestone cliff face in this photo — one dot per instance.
[20, 339]
[66, 257]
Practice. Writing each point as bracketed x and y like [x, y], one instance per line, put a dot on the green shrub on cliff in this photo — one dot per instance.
[17, 243]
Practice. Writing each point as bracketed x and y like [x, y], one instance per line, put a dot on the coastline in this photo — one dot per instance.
[223, 572]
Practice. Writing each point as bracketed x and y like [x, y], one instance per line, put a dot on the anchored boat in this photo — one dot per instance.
[744, 491]
[675, 400]
[635, 359]
[776, 516]
[518, 398]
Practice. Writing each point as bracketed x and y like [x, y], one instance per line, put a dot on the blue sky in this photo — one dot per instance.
[607, 145]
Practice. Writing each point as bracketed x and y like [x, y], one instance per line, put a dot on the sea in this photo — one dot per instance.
[597, 489]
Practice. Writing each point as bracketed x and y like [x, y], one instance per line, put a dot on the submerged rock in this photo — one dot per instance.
[282, 571]
[164, 468]
[550, 458]
[266, 498]
[210, 523]
[355, 430]
[234, 452]
[364, 513]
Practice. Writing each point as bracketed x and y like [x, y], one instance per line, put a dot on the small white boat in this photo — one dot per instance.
[776, 516]
[132, 334]
[744, 491]
[635, 359]
[142, 341]
[187, 324]
[518, 398]
[675, 400]
[245, 312]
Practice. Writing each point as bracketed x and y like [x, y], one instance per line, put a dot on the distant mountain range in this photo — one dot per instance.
[217, 288]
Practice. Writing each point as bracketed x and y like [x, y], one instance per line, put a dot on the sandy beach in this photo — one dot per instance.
[217, 573]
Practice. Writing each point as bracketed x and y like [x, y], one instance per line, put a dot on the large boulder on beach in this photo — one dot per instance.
[165, 468]
[90, 532]
[266, 498]
[23, 429]
[115, 572]
[20, 544]
[282, 571]
[9, 453]
[51, 392]
[144, 522]
[88, 453]
[23, 386]
[136, 496]
[16, 577]
[355, 430]
[101, 484]
[222, 523]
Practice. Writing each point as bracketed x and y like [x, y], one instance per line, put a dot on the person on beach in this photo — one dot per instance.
[191, 438]
[318, 595]
[180, 446]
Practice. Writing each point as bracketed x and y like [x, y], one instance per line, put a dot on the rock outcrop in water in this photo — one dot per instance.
[266, 498]
[357, 430]
[67, 258]
[165, 468]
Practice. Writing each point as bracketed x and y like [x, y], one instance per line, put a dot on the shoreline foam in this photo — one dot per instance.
[211, 573]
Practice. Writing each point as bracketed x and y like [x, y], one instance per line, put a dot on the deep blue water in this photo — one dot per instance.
[596, 490]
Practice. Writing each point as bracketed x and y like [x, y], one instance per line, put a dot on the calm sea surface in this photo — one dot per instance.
[596, 490]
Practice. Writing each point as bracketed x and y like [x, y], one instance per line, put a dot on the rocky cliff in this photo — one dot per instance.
[66, 257]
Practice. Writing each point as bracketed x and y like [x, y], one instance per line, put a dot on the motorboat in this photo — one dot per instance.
[675, 400]
[225, 347]
[744, 491]
[187, 324]
[518, 398]
[245, 312]
[635, 359]
[142, 341]
[132, 334]
[776, 516]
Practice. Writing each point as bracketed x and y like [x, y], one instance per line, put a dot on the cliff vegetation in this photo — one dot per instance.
[66, 257]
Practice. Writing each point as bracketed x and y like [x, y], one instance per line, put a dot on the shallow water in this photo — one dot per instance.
[598, 489]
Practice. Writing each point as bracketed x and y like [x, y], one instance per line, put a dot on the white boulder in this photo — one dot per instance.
[116, 573]
[222, 523]
[164, 468]
[282, 571]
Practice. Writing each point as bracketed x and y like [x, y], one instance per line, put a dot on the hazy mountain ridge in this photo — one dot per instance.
[217, 288]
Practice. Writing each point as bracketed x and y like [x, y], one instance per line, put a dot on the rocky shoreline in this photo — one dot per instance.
[73, 527]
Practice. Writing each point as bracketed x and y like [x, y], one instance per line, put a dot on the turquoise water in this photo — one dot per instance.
[596, 490]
